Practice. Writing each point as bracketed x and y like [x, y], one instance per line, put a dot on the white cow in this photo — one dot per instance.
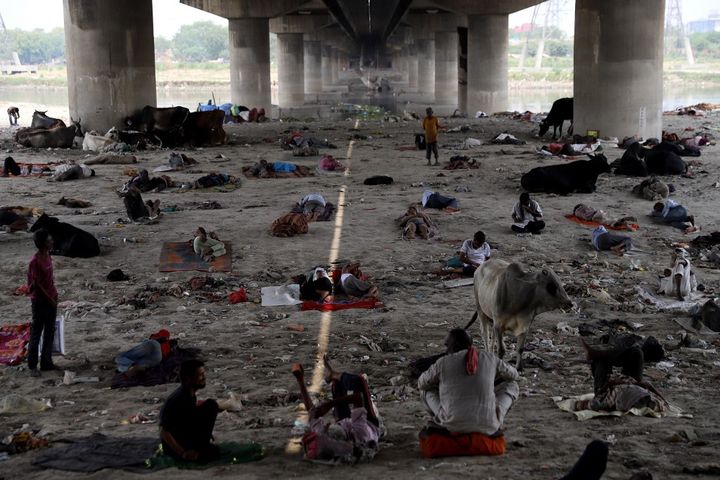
[96, 143]
[507, 298]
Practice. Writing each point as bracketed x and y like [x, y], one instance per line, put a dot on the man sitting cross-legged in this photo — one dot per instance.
[467, 391]
[186, 423]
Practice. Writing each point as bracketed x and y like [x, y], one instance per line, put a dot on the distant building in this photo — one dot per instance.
[710, 24]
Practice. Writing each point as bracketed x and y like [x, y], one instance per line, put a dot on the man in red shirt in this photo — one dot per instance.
[44, 303]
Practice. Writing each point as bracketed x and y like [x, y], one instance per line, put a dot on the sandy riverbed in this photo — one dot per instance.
[249, 349]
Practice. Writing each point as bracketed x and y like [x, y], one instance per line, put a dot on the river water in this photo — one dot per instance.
[55, 99]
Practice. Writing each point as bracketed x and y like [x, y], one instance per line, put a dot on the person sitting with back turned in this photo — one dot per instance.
[461, 389]
[527, 215]
[208, 246]
[186, 424]
[604, 240]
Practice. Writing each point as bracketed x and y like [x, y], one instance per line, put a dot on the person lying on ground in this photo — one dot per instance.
[603, 240]
[415, 223]
[679, 281]
[353, 286]
[291, 224]
[312, 203]
[674, 214]
[432, 199]
[316, 286]
[286, 167]
[214, 180]
[473, 253]
[467, 391]
[70, 171]
[627, 351]
[10, 167]
[147, 354]
[136, 208]
[186, 423]
[12, 222]
[527, 215]
[209, 247]
[144, 183]
[589, 214]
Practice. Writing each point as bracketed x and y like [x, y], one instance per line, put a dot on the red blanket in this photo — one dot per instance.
[573, 218]
[13, 343]
[331, 307]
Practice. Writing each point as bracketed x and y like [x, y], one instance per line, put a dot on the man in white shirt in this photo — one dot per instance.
[472, 254]
[467, 391]
[527, 215]
[71, 172]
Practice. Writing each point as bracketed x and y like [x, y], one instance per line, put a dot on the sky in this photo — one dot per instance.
[169, 15]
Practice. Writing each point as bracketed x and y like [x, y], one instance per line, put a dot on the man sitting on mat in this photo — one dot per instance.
[208, 246]
[186, 424]
[461, 389]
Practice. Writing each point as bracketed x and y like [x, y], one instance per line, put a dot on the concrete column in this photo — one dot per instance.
[618, 67]
[412, 68]
[446, 68]
[313, 67]
[110, 60]
[250, 62]
[291, 70]
[426, 67]
[462, 68]
[326, 66]
[487, 63]
[334, 65]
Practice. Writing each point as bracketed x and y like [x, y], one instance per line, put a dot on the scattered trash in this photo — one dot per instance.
[14, 403]
[71, 378]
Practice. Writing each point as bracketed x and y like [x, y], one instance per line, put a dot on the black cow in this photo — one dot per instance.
[205, 128]
[151, 119]
[632, 162]
[561, 110]
[664, 159]
[579, 176]
[40, 120]
[68, 240]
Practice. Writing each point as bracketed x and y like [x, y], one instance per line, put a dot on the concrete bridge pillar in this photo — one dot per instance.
[291, 70]
[250, 62]
[619, 67]
[446, 68]
[334, 65]
[426, 67]
[326, 65]
[412, 61]
[313, 67]
[487, 63]
[110, 60]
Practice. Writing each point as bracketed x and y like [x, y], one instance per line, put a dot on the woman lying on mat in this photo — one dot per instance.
[353, 286]
[589, 214]
[208, 246]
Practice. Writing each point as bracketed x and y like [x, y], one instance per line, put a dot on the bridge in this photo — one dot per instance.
[452, 53]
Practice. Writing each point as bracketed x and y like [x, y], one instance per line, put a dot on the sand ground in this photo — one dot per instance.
[249, 349]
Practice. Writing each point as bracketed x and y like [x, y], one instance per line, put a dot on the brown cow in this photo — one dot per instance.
[205, 128]
[58, 137]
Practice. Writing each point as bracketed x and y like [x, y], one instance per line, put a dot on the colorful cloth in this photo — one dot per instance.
[13, 343]
[330, 307]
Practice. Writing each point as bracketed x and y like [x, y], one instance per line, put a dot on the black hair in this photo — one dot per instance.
[40, 238]
[460, 339]
[189, 367]
[653, 351]
[524, 197]
[324, 284]
[479, 236]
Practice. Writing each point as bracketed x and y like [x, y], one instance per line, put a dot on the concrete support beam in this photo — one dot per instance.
[110, 60]
[291, 70]
[426, 67]
[412, 68]
[462, 68]
[446, 68]
[326, 65]
[334, 65]
[618, 67]
[313, 67]
[246, 8]
[487, 63]
[250, 62]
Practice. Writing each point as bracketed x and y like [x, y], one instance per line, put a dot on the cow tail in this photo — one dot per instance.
[472, 320]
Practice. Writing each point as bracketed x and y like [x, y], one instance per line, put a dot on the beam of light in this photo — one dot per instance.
[293, 445]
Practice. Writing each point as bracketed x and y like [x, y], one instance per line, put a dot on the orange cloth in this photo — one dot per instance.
[471, 361]
[436, 445]
[430, 125]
